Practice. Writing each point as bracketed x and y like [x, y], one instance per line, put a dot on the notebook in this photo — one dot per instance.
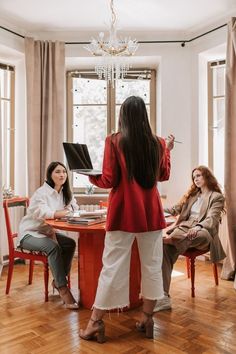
[86, 221]
[79, 160]
[87, 218]
[86, 214]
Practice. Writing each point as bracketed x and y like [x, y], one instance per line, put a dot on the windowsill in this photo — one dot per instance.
[89, 199]
[94, 195]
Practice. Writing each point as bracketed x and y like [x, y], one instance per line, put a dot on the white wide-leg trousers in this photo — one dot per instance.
[113, 284]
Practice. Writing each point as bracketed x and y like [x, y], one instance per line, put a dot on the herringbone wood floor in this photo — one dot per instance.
[206, 324]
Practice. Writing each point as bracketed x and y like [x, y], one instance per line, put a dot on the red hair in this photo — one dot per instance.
[210, 181]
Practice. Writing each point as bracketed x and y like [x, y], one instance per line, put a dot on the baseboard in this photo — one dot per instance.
[5, 258]
[16, 261]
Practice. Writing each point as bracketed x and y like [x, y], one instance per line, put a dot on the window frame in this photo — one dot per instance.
[111, 104]
[211, 97]
[11, 69]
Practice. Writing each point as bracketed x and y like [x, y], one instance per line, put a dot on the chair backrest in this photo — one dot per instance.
[9, 203]
[103, 204]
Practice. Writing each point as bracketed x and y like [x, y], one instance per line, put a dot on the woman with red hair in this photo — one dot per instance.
[199, 213]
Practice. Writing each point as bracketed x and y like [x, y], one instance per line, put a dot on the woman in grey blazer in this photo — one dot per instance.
[199, 214]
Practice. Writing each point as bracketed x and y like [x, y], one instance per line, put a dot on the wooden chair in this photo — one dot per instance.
[191, 255]
[19, 252]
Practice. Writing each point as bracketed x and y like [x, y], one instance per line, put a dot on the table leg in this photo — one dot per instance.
[90, 265]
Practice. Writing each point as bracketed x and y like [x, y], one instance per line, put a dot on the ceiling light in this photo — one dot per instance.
[113, 52]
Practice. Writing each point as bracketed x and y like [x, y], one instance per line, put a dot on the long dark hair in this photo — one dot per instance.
[210, 180]
[67, 194]
[142, 150]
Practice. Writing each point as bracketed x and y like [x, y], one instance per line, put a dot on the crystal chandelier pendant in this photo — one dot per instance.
[113, 63]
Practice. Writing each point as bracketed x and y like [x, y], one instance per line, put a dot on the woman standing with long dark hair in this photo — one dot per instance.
[134, 160]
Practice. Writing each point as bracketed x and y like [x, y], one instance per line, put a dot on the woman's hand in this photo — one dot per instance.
[61, 213]
[46, 230]
[170, 142]
[192, 233]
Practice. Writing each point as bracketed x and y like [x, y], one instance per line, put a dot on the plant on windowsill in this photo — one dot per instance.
[89, 189]
[7, 193]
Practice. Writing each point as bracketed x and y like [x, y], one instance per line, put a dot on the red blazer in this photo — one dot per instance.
[131, 208]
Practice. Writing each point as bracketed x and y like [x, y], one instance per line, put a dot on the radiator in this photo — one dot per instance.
[89, 207]
[16, 214]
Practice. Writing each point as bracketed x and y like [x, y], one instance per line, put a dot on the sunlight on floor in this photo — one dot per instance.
[175, 273]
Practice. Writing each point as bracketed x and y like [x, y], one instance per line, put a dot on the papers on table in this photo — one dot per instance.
[85, 221]
[87, 217]
[170, 220]
[89, 214]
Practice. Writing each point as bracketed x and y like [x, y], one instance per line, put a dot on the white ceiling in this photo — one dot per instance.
[163, 16]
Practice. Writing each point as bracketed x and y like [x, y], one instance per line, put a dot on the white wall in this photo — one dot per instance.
[13, 54]
[178, 91]
[176, 116]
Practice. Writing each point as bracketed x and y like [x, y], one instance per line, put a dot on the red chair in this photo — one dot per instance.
[191, 255]
[19, 252]
[103, 204]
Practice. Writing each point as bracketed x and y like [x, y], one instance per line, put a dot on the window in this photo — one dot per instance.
[93, 110]
[8, 123]
[216, 119]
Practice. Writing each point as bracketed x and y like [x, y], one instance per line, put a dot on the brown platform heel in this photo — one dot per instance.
[147, 326]
[98, 332]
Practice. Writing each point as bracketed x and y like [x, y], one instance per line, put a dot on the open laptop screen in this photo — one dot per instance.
[77, 156]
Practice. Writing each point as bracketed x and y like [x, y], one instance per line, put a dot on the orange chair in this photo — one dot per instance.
[19, 252]
[103, 204]
[191, 255]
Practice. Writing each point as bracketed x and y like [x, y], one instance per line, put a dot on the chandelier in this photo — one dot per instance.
[113, 52]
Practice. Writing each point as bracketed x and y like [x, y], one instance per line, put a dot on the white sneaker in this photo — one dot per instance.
[163, 304]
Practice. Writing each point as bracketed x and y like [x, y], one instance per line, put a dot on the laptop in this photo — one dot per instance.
[79, 160]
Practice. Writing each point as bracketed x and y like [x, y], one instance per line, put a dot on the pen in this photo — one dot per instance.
[176, 141]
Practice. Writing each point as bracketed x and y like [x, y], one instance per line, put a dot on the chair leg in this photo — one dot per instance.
[31, 270]
[68, 281]
[215, 272]
[78, 267]
[188, 266]
[192, 266]
[46, 276]
[9, 275]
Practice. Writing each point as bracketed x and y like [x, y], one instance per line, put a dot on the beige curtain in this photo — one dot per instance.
[45, 77]
[229, 266]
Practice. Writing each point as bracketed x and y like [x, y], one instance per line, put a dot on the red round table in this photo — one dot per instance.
[90, 250]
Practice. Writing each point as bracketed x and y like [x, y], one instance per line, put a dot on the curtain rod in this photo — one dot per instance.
[142, 42]
[8, 30]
